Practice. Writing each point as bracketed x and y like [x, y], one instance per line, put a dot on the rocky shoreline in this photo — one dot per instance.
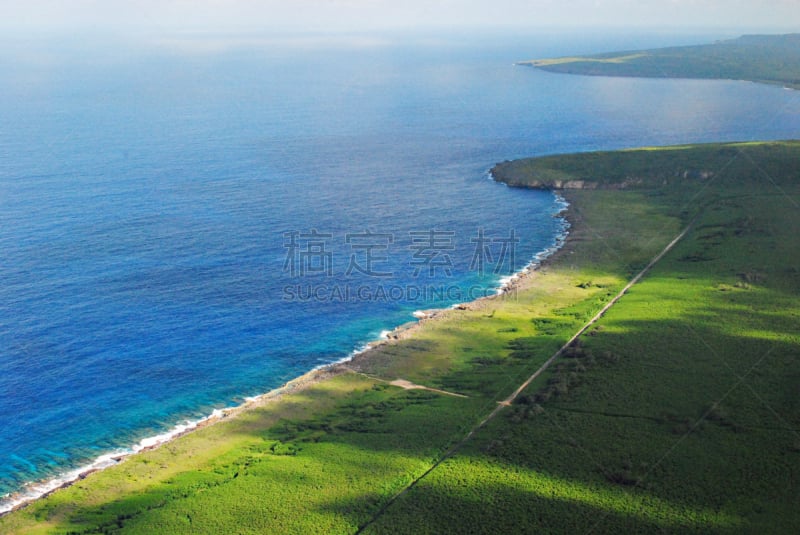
[357, 362]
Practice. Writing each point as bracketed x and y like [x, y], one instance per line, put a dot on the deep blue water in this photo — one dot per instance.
[157, 203]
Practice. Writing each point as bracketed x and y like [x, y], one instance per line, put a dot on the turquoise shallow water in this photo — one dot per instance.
[187, 222]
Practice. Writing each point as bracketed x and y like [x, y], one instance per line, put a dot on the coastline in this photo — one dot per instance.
[375, 452]
[33, 491]
[37, 490]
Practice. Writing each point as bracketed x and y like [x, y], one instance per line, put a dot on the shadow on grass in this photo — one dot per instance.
[491, 497]
[662, 435]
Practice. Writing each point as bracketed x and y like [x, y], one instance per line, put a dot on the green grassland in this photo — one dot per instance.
[771, 59]
[678, 411]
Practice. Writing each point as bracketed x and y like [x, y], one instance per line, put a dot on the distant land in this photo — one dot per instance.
[771, 59]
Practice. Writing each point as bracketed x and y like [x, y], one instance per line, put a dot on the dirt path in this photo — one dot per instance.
[510, 399]
[408, 385]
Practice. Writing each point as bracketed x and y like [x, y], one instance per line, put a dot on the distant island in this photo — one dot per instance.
[771, 59]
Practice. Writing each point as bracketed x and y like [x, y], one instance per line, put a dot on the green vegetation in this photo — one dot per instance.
[773, 59]
[677, 411]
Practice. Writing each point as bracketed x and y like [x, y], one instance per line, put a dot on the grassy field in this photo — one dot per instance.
[773, 59]
[678, 411]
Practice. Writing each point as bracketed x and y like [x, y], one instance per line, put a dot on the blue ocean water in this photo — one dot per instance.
[188, 221]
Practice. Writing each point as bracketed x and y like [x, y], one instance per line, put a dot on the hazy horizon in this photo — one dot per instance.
[243, 16]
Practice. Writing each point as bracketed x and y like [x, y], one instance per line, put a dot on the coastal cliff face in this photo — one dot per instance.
[640, 168]
[510, 174]
[554, 184]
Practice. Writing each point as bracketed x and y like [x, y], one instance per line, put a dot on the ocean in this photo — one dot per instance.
[189, 220]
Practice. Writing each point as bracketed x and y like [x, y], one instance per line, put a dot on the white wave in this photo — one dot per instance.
[560, 238]
[33, 491]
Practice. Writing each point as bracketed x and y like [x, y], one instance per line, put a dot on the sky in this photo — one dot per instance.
[367, 15]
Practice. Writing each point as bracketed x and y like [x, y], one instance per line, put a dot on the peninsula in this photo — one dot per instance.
[772, 59]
